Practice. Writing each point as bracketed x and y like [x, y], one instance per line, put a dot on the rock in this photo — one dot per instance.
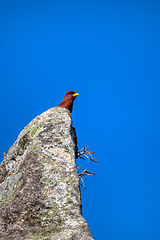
[39, 183]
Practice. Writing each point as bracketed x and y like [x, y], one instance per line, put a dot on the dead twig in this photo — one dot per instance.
[84, 154]
[88, 154]
[4, 154]
[79, 167]
[85, 173]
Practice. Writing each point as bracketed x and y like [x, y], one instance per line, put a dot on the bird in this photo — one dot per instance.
[67, 102]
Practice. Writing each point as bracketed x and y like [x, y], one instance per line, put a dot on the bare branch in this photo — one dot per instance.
[79, 167]
[86, 172]
[82, 182]
[4, 154]
[85, 154]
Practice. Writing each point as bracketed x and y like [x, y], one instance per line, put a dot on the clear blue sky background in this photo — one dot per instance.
[109, 52]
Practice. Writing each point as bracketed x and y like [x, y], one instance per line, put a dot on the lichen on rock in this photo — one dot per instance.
[39, 183]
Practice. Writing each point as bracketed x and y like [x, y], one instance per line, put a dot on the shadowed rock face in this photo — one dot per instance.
[39, 184]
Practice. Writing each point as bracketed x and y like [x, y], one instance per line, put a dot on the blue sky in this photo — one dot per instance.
[109, 52]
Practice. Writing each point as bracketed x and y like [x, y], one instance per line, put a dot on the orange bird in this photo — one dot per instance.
[68, 100]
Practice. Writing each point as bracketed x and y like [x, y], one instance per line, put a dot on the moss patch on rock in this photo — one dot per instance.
[35, 129]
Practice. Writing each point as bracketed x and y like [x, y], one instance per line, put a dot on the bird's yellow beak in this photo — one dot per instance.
[75, 94]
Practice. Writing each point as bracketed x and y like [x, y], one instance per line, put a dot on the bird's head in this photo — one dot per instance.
[71, 95]
[68, 100]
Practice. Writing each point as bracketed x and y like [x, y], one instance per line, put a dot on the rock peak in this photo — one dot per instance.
[39, 183]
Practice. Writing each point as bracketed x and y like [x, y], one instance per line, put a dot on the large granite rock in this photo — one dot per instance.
[39, 183]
